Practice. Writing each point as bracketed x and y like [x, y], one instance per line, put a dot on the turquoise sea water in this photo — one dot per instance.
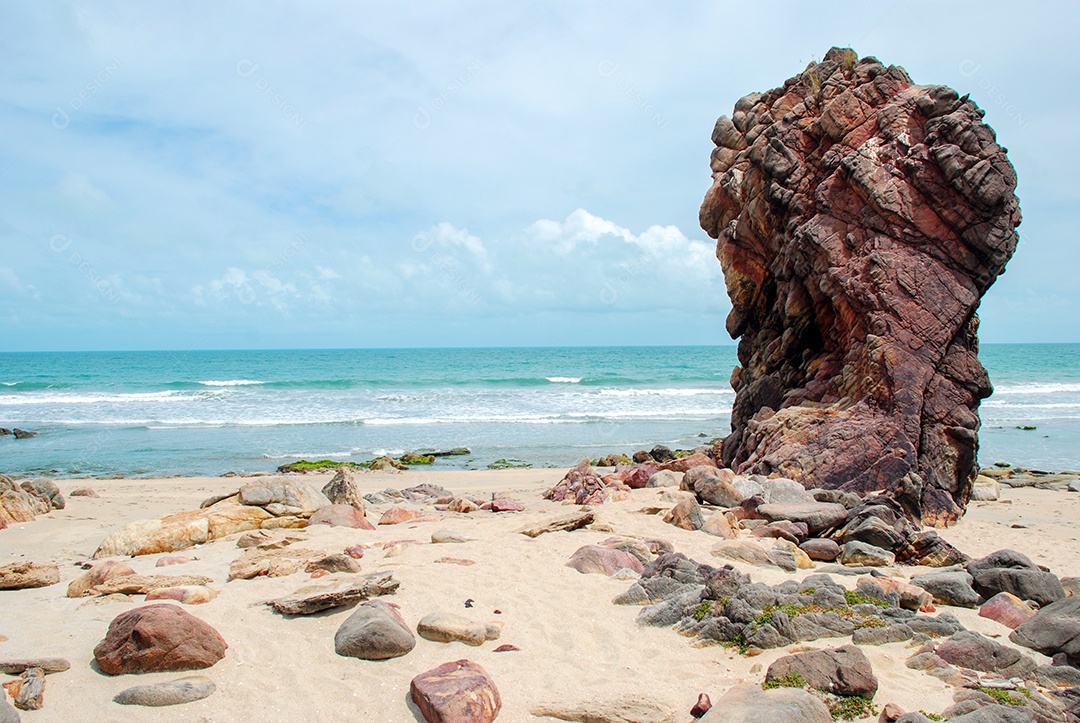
[208, 412]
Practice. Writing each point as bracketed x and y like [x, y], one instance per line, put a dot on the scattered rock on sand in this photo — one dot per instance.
[450, 536]
[628, 709]
[23, 575]
[398, 515]
[172, 560]
[84, 492]
[98, 574]
[447, 628]
[173, 692]
[338, 562]
[375, 631]
[603, 560]
[342, 490]
[821, 549]
[144, 584]
[341, 516]
[686, 514]
[1006, 609]
[184, 594]
[504, 504]
[48, 665]
[844, 671]
[312, 598]
[568, 523]
[28, 689]
[156, 638]
[456, 692]
[751, 704]
[272, 563]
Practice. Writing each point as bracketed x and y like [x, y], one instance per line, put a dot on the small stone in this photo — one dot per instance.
[172, 560]
[450, 536]
[338, 562]
[84, 492]
[569, 523]
[632, 708]
[185, 594]
[311, 598]
[505, 504]
[48, 665]
[28, 690]
[719, 525]
[702, 706]
[506, 648]
[398, 515]
[355, 551]
[462, 505]
[173, 692]
[456, 692]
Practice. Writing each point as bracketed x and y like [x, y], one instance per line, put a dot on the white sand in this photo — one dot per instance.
[575, 645]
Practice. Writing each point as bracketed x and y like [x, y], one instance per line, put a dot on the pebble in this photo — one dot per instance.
[173, 692]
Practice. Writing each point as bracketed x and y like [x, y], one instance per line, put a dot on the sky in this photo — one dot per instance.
[206, 175]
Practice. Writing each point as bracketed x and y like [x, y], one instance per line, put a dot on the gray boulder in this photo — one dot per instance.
[342, 490]
[751, 704]
[949, 587]
[860, 553]
[969, 649]
[818, 516]
[784, 491]
[844, 671]
[1053, 629]
[375, 631]
[1013, 572]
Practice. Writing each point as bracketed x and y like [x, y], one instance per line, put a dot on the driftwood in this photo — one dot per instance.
[311, 599]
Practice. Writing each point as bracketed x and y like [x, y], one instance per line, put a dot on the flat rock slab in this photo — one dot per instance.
[49, 665]
[439, 537]
[635, 709]
[143, 584]
[742, 551]
[184, 594]
[156, 638]
[310, 599]
[603, 560]
[818, 516]
[568, 523]
[448, 628]
[24, 575]
[460, 691]
[256, 562]
[173, 692]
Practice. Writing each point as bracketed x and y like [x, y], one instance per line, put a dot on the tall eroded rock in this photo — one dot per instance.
[859, 220]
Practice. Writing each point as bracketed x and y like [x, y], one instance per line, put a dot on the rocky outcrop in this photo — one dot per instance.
[859, 220]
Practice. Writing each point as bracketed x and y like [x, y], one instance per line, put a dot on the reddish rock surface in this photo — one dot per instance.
[603, 560]
[156, 638]
[397, 515]
[341, 516]
[456, 692]
[585, 487]
[859, 220]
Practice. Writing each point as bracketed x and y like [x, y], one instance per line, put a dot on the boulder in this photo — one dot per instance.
[742, 551]
[23, 434]
[665, 478]
[337, 562]
[398, 515]
[315, 597]
[603, 560]
[7, 713]
[158, 638]
[784, 491]
[843, 671]
[860, 553]
[281, 497]
[949, 587]
[1054, 629]
[974, 651]
[682, 464]
[751, 704]
[1013, 572]
[1006, 609]
[375, 631]
[182, 530]
[719, 525]
[910, 597]
[712, 485]
[172, 692]
[47, 489]
[342, 490]
[18, 505]
[447, 628]
[456, 692]
[820, 549]
[23, 575]
[686, 514]
[985, 489]
[583, 486]
[341, 516]
[859, 220]
[818, 516]
[100, 573]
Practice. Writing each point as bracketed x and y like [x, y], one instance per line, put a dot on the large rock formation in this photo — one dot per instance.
[859, 220]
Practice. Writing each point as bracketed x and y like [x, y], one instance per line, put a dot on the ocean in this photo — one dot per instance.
[211, 412]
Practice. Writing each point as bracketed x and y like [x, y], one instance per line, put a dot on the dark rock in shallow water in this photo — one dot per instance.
[23, 434]
[860, 218]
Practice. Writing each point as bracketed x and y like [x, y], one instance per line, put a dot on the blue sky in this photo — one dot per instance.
[207, 175]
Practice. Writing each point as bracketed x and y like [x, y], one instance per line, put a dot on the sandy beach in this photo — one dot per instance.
[575, 645]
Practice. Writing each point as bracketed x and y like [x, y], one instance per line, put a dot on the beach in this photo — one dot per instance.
[574, 645]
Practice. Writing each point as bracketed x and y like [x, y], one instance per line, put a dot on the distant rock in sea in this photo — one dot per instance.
[859, 220]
